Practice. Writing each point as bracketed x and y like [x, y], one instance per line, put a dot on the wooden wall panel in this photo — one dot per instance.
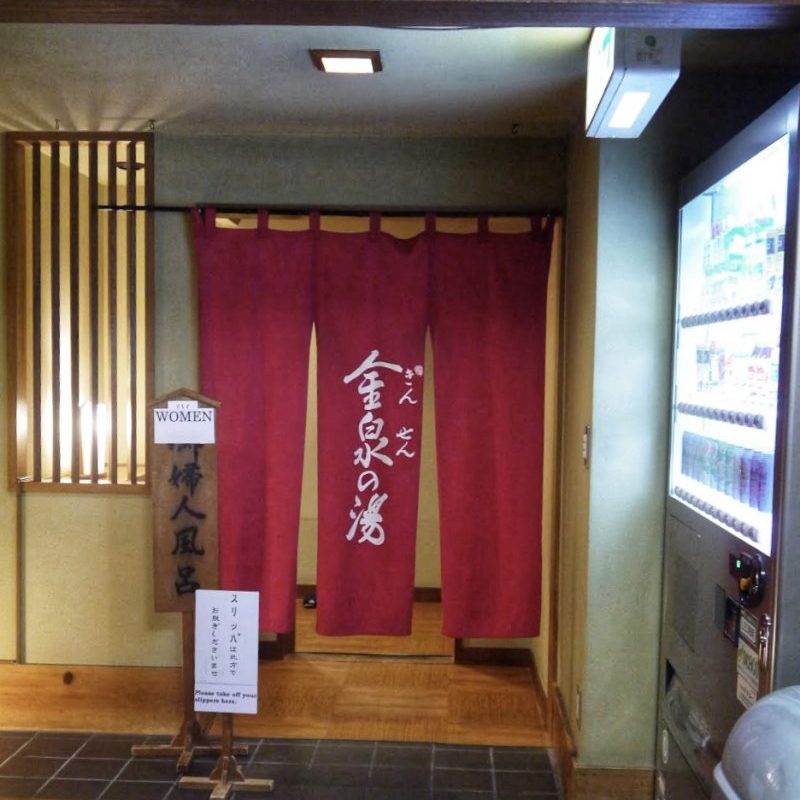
[487, 13]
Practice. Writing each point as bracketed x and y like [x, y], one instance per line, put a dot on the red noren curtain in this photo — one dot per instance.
[371, 296]
[488, 323]
[371, 317]
[255, 299]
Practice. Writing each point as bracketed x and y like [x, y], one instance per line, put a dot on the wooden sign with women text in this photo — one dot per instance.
[183, 474]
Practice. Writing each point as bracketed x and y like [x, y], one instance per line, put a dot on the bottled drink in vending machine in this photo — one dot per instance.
[741, 473]
[761, 482]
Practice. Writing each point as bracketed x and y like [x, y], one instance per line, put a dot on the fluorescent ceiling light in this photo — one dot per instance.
[347, 62]
[629, 74]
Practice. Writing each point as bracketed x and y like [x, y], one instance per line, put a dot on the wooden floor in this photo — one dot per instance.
[299, 697]
[398, 700]
[426, 638]
[382, 688]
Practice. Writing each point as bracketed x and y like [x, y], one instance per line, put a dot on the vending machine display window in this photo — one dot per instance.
[727, 354]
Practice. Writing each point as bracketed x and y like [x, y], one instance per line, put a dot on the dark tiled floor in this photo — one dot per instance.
[99, 767]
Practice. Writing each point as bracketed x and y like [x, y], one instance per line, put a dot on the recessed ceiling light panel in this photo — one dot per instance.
[347, 62]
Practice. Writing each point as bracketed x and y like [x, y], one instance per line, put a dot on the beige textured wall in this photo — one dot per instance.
[89, 591]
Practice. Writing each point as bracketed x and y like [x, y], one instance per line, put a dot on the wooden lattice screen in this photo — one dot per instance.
[79, 308]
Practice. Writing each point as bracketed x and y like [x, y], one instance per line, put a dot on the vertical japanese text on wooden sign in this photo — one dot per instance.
[184, 494]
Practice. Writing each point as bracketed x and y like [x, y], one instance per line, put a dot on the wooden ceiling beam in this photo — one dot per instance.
[712, 14]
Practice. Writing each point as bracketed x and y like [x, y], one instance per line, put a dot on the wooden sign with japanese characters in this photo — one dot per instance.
[184, 497]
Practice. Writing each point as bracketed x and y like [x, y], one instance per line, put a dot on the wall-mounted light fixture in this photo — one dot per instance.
[628, 76]
[347, 62]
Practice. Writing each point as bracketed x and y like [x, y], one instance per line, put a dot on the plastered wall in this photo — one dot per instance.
[619, 278]
[631, 402]
[87, 581]
[88, 586]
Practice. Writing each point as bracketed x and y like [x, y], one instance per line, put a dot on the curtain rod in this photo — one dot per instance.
[339, 212]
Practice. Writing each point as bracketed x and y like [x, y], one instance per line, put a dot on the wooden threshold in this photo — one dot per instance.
[496, 656]
[424, 641]
[422, 594]
[612, 784]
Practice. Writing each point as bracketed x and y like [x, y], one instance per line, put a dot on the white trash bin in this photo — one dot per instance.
[761, 759]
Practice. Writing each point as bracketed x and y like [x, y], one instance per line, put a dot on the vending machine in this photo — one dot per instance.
[731, 620]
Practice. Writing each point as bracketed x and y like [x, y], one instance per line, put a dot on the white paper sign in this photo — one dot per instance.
[746, 674]
[183, 422]
[748, 627]
[226, 651]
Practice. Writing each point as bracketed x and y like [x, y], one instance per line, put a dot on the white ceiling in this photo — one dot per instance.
[247, 79]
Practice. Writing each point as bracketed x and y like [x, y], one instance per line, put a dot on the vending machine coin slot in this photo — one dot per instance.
[751, 577]
[732, 615]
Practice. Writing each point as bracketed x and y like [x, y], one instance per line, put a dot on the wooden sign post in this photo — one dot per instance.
[226, 680]
[226, 777]
[183, 472]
